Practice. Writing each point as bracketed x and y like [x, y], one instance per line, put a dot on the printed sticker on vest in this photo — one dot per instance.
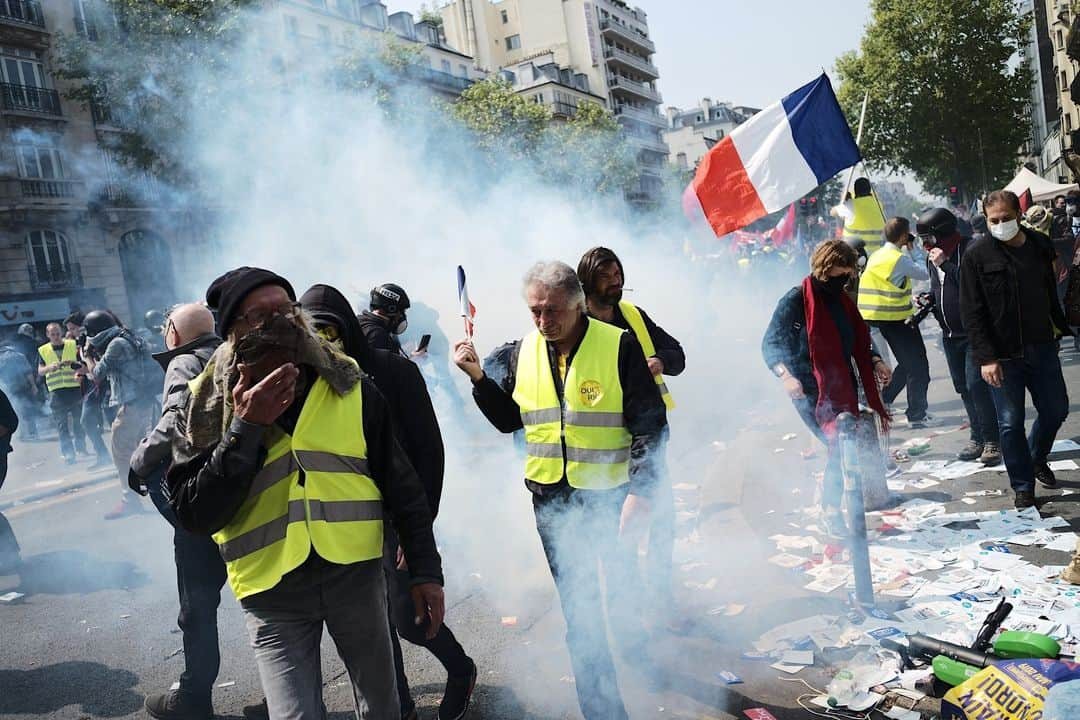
[591, 393]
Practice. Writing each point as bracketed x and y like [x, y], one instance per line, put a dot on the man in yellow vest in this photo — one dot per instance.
[602, 277]
[593, 417]
[862, 216]
[291, 479]
[885, 304]
[58, 363]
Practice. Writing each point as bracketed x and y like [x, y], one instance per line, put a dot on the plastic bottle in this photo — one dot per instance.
[842, 689]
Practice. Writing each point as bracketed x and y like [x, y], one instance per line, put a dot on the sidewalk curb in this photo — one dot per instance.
[57, 490]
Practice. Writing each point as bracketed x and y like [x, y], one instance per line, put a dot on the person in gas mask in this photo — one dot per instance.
[937, 229]
[1014, 321]
[286, 455]
[384, 321]
[401, 383]
[815, 338]
[135, 381]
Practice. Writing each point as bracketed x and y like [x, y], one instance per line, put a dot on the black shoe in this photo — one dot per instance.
[1024, 500]
[991, 456]
[972, 451]
[257, 712]
[1045, 475]
[179, 705]
[459, 690]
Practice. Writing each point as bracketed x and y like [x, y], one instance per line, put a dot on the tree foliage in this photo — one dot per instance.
[586, 152]
[947, 97]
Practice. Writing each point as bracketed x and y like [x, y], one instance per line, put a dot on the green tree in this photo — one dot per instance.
[947, 102]
[504, 125]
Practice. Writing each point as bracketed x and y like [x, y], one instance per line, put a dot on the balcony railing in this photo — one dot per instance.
[138, 192]
[563, 109]
[638, 63]
[628, 34]
[441, 79]
[641, 115]
[639, 89]
[30, 99]
[647, 143]
[52, 278]
[22, 12]
[105, 113]
[48, 188]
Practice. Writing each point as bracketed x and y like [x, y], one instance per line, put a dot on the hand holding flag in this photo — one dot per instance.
[468, 310]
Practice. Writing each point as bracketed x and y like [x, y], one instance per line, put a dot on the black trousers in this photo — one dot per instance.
[67, 403]
[200, 575]
[580, 533]
[402, 612]
[972, 389]
[912, 368]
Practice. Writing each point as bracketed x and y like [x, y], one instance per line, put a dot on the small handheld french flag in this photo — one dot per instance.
[468, 310]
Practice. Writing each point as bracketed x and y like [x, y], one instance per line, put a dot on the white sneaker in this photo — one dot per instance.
[927, 421]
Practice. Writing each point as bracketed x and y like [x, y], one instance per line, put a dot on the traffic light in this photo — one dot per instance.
[813, 206]
[804, 207]
[954, 195]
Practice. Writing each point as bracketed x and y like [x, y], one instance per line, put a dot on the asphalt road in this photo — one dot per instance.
[96, 629]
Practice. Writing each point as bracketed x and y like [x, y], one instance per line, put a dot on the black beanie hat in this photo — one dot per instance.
[225, 294]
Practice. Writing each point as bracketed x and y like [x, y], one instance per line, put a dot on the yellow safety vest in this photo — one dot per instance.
[589, 419]
[867, 223]
[65, 376]
[337, 509]
[633, 317]
[879, 299]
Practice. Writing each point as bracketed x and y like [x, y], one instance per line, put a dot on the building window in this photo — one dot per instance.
[1060, 40]
[538, 98]
[699, 119]
[22, 67]
[505, 16]
[84, 21]
[680, 160]
[40, 162]
[1068, 123]
[463, 70]
[446, 66]
[292, 28]
[49, 257]
[1064, 81]
[513, 42]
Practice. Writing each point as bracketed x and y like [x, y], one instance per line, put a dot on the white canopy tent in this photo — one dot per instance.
[1041, 189]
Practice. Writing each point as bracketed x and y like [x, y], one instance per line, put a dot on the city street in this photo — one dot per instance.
[96, 629]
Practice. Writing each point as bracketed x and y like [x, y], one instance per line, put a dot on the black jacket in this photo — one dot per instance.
[207, 492]
[989, 298]
[947, 292]
[786, 341]
[399, 381]
[668, 349]
[643, 408]
[9, 420]
[377, 332]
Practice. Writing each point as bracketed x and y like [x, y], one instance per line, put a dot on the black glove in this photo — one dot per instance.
[136, 483]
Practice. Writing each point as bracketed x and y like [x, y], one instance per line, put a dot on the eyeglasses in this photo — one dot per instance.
[260, 316]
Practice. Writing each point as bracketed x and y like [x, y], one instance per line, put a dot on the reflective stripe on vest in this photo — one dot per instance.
[337, 510]
[879, 299]
[866, 224]
[637, 324]
[65, 376]
[589, 419]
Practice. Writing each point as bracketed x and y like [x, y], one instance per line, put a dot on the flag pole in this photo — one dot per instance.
[858, 143]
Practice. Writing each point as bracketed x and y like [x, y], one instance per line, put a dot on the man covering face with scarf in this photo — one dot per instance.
[287, 458]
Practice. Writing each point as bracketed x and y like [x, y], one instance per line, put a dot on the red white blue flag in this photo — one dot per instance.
[773, 159]
[468, 310]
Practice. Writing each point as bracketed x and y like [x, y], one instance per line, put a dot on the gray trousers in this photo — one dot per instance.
[286, 625]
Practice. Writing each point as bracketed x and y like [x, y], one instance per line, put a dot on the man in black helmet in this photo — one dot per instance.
[937, 229]
[385, 319]
[135, 383]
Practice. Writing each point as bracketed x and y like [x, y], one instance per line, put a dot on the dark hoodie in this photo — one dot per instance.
[399, 381]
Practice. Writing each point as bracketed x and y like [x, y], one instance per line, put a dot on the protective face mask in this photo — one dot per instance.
[1070, 208]
[1005, 231]
[401, 326]
[834, 285]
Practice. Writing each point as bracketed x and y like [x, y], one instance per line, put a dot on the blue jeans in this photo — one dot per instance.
[832, 488]
[972, 389]
[1038, 372]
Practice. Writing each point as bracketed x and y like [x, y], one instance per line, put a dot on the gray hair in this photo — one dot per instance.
[555, 275]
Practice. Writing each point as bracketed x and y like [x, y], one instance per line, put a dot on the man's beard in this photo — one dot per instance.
[611, 298]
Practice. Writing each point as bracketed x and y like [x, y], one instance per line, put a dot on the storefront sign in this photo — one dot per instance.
[16, 312]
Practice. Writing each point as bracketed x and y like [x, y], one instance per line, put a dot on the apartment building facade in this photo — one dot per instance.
[598, 47]
[692, 132]
[79, 231]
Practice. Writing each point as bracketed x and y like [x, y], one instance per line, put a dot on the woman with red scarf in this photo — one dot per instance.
[820, 348]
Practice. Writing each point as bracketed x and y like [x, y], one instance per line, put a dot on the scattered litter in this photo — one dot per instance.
[809, 454]
[729, 678]
[730, 610]
[789, 436]
[759, 714]
[788, 668]
[175, 652]
[568, 679]
[778, 450]
[787, 561]
[923, 483]
[228, 684]
[12, 596]
[681, 487]
[124, 617]
[927, 466]
[1065, 446]
[509, 621]
[984, 493]
[1061, 465]
[476, 576]
[798, 657]
[968, 501]
[174, 686]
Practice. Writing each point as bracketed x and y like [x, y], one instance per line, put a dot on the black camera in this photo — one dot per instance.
[925, 302]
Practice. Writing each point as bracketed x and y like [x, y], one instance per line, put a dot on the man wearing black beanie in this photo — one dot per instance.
[291, 478]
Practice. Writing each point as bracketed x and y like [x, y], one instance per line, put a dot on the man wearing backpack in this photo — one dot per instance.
[135, 383]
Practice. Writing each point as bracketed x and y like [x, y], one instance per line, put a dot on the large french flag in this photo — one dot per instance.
[773, 159]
